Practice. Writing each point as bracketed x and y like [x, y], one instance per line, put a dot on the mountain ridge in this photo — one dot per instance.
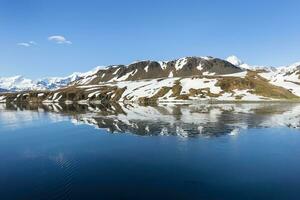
[188, 78]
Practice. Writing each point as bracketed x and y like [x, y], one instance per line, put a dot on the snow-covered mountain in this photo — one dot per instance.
[183, 67]
[188, 78]
[287, 77]
[20, 83]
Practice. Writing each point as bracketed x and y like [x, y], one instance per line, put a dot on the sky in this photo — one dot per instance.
[41, 38]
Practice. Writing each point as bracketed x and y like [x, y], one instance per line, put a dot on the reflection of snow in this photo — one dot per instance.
[19, 119]
[179, 120]
[181, 132]
[234, 132]
[164, 131]
[200, 129]
[290, 118]
[186, 120]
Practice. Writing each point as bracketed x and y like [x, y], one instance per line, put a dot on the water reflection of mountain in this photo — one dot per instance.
[182, 120]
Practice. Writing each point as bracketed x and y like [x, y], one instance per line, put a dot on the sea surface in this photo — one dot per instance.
[166, 151]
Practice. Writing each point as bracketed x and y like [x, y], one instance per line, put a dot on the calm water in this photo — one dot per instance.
[217, 151]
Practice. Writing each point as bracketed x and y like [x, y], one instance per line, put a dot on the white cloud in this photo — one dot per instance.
[32, 43]
[24, 44]
[27, 44]
[59, 39]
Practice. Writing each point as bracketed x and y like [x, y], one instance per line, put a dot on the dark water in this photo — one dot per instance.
[217, 151]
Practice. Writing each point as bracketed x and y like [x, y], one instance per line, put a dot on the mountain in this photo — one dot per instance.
[20, 83]
[3, 90]
[287, 77]
[184, 67]
[184, 79]
[16, 83]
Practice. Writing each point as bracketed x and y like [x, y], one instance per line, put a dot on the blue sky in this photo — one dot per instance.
[103, 32]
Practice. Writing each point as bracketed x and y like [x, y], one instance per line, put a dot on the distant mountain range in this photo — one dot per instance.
[20, 83]
[3, 90]
[188, 78]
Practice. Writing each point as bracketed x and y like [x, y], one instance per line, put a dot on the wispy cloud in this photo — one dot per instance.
[24, 44]
[32, 43]
[59, 39]
[27, 44]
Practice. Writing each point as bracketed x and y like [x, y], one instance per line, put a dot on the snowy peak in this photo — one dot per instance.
[189, 78]
[290, 68]
[234, 60]
[238, 62]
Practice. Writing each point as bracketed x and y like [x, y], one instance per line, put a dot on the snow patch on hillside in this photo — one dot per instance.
[197, 83]
[239, 74]
[180, 63]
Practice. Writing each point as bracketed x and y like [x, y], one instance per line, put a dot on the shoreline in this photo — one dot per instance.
[155, 103]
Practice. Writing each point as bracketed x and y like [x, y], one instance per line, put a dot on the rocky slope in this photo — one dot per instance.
[190, 78]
